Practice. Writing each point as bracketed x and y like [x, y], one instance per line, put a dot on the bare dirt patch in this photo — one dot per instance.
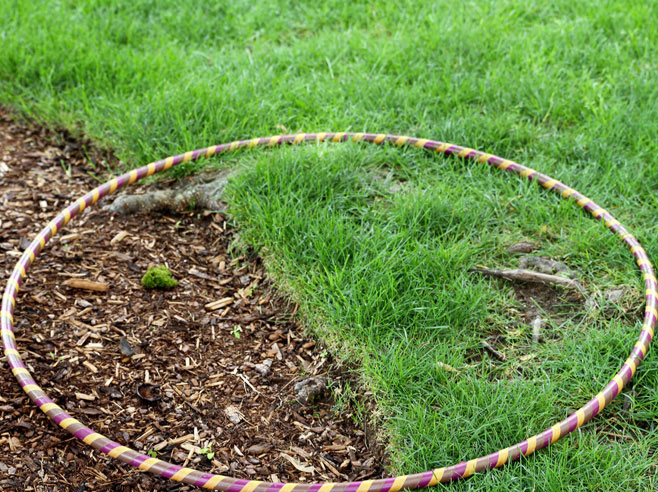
[221, 355]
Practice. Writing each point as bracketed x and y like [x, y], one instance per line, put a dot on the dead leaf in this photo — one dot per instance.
[302, 467]
[446, 367]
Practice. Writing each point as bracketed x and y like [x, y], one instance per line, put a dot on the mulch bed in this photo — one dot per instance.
[220, 407]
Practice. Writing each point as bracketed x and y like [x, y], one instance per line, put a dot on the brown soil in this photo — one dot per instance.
[91, 350]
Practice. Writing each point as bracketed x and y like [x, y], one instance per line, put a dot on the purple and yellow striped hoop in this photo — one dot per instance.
[393, 484]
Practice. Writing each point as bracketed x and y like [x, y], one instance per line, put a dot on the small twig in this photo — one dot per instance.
[247, 382]
[530, 276]
[493, 351]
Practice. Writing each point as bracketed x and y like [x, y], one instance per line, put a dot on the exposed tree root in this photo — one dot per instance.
[531, 276]
[185, 195]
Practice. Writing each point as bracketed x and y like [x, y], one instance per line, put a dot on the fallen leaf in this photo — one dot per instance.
[302, 467]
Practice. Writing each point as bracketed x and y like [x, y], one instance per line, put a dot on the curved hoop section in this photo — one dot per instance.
[416, 481]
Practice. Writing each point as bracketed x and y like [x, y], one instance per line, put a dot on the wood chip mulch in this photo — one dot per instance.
[221, 354]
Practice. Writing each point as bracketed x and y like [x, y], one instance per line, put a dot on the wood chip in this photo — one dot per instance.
[121, 235]
[188, 446]
[179, 440]
[82, 396]
[215, 305]
[79, 283]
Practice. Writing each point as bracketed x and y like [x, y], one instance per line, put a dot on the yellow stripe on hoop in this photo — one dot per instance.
[47, 407]
[503, 454]
[181, 474]
[92, 438]
[146, 465]
[437, 475]
[252, 484]
[118, 451]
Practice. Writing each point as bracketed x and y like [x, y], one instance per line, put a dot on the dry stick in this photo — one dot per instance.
[530, 276]
[498, 355]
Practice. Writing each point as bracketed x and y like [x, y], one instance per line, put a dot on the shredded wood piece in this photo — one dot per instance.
[215, 305]
[79, 283]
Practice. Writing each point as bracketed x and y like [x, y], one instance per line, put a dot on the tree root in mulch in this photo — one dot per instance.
[198, 193]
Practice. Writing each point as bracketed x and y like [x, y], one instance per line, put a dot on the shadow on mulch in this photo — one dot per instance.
[226, 375]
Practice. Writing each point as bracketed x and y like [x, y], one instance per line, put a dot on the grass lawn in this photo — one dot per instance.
[376, 243]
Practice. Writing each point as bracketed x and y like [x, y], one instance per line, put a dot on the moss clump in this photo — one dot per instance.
[159, 277]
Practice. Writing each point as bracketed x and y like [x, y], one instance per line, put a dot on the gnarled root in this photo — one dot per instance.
[184, 196]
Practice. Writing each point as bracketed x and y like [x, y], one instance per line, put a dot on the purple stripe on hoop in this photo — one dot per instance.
[572, 421]
[638, 353]
[427, 477]
[61, 416]
[314, 487]
[523, 446]
[458, 470]
[139, 459]
[83, 432]
[109, 447]
[171, 471]
[388, 483]
[275, 487]
[352, 487]
[203, 478]
[237, 485]
[42, 401]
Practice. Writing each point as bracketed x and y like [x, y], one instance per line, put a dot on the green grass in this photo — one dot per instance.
[568, 88]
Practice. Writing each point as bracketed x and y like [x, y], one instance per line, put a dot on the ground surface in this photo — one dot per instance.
[91, 351]
[376, 245]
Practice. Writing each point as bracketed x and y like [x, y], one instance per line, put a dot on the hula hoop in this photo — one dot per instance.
[393, 484]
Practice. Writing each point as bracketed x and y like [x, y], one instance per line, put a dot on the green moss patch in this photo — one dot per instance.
[159, 277]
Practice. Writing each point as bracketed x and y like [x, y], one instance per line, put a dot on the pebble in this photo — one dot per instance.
[614, 295]
[310, 389]
[233, 414]
[259, 448]
[264, 367]
[522, 247]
